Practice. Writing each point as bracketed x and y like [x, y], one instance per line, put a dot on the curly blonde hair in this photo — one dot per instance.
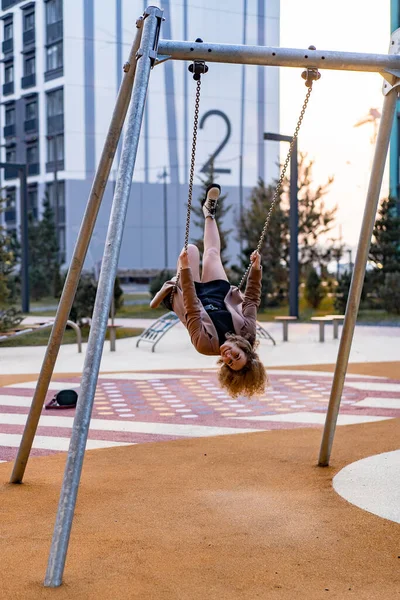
[251, 380]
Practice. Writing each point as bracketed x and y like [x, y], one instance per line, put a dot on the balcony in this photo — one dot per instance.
[31, 126]
[8, 3]
[8, 88]
[10, 172]
[28, 81]
[54, 73]
[8, 46]
[50, 166]
[54, 32]
[55, 124]
[61, 215]
[10, 216]
[9, 130]
[33, 169]
[28, 37]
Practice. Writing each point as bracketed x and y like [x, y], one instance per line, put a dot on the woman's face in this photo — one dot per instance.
[233, 356]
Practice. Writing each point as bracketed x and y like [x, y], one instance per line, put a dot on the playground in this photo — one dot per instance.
[187, 490]
[186, 493]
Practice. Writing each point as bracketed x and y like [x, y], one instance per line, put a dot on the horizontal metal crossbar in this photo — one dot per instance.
[278, 57]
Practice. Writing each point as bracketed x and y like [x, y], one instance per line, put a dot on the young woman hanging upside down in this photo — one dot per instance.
[220, 320]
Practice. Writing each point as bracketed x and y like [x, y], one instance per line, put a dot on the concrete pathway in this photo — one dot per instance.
[370, 344]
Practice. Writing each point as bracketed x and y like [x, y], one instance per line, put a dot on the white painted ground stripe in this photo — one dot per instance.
[380, 402]
[284, 372]
[150, 376]
[54, 385]
[15, 401]
[314, 418]
[370, 386]
[372, 484]
[128, 426]
[44, 442]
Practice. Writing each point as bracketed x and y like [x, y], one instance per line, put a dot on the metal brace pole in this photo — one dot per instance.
[62, 530]
[357, 281]
[78, 258]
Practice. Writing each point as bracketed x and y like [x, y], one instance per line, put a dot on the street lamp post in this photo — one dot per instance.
[53, 139]
[23, 196]
[293, 224]
[164, 176]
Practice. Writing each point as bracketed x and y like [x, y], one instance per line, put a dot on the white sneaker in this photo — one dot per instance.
[210, 204]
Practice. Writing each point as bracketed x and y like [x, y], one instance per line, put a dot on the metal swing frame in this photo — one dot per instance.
[147, 51]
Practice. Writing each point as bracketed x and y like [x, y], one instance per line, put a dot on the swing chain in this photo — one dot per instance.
[191, 175]
[192, 160]
[281, 178]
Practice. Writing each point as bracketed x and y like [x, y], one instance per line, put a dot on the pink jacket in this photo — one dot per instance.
[190, 310]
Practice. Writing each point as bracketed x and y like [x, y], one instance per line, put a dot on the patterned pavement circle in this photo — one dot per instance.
[133, 408]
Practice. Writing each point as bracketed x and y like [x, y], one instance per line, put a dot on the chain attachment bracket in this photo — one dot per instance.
[198, 67]
[311, 74]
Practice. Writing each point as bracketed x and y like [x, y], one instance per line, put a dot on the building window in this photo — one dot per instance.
[29, 78]
[55, 103]
[8, 34]
[9, 129]
[54, 21]
[8, 86]
[55, 152]
[33, 201]
[29, 21]
[53, 11]
[10, 114]
[28, 17]
[31, 109]
[55, 111]
[8, 30]
[54, 37]
[54, 57]
[10, 213]
[57, 203]
[8, 73]
[29, 65]
[11, 157]
[31, 123]
[32, 158]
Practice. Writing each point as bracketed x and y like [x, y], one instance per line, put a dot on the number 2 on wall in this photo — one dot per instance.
[211, 161]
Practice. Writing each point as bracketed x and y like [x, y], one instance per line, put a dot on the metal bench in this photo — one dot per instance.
[322, 321]
[156, 331]
[337, 320]
[22, 331]
[285, 322]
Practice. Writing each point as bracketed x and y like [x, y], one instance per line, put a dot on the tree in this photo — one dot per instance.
[85, 297]
[7, 262]
[314, 290]
[118, 295]
[83, 305]
[390, 293]
[315, 220]
[222, 210]
[274, 251]
[10, 317]
[43, 254]
[384, 252]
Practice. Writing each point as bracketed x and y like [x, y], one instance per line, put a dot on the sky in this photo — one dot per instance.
[339, 99]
